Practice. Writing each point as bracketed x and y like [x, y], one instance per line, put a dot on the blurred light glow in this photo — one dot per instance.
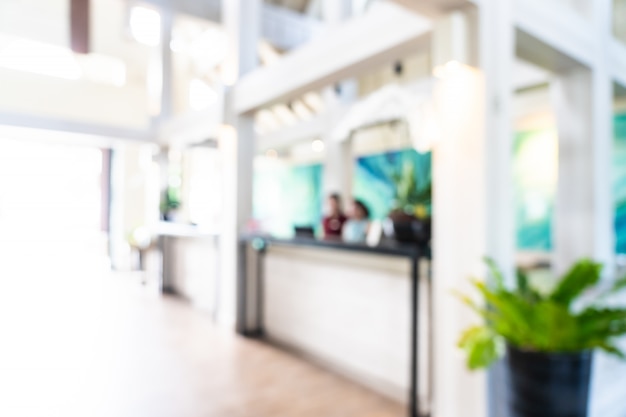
[154, 84]
[145, 25]
[317, 145]
[209, 49]
[227, 133]
[40, 58]
[271, 153]
[201, 95]
[448, 70]
[177, 45]
[228, 73]
[425, 127]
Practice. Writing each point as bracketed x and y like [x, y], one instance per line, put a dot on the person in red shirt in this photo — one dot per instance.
[333, 222]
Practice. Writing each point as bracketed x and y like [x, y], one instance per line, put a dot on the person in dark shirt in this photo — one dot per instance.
[334, 220]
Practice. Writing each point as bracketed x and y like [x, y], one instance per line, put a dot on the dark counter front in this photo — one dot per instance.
[251, 282]
[385, 248]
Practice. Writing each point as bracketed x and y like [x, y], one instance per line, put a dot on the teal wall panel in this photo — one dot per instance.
[286, 196]
[373, 177]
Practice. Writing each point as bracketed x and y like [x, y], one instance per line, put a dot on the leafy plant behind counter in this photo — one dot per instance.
[409, 197]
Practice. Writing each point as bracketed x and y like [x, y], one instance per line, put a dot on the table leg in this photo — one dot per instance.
[414, 408]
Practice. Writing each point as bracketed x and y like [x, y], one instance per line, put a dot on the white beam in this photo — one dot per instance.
[421, 7]
[385, 33]
[557, 27]
[70, 126]
[193, 127]
[282, 27]
[286, 29]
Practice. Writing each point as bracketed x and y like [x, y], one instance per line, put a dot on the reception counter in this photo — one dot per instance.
[361, 311]
[189, 263]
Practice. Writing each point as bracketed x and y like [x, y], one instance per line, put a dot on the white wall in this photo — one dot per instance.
[35, 19]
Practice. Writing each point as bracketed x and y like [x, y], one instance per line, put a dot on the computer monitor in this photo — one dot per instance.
[304, 231]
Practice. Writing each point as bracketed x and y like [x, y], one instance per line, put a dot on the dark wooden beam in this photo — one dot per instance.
[79, 26]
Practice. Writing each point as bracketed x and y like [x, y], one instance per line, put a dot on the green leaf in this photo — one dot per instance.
[522, 281]
[481, 346]
[524, 288]
[511, 313]
[530, 321]
[619, 285]
[581, 276]
[496, 274]
[612, 350]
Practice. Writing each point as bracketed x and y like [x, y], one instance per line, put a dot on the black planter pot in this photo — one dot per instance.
[548, 384]
[409, 229]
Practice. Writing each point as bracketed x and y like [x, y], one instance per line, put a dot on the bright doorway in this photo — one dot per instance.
[52, 206]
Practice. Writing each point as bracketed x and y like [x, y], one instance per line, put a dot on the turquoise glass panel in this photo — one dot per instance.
[535, 176]
[619, 182]
[286, 196]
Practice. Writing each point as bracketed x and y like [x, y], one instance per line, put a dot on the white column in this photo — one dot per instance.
[237, 143]
[497, 55]
[472, 181]
[583, 103]
[167, 22]
[339, 161]
[573, 229]
[603, 116]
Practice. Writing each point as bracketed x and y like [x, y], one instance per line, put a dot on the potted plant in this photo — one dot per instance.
[170, 202]
[547, 339]
[411, 214]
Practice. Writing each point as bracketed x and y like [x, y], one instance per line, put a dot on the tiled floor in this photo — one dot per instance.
[79, 345]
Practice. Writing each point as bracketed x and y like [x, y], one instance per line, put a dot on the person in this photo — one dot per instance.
[356, 228]
[333, 222]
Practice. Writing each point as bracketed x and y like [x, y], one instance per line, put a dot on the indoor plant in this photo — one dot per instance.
[411, 213]
[548, 338]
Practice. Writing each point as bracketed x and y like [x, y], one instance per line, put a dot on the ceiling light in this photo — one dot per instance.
[267, 120]
[314, 101]
[301, 110]
[268, 54]
[317, 145]
[285, 115]
[145, 25]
